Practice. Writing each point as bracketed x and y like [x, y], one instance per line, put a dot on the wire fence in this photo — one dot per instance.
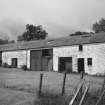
[51, 81]
[48, 82]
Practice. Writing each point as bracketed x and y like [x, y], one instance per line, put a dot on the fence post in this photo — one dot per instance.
[82, 75]
[81, 80]
[40, 83]
[63, 86]
[103, 85]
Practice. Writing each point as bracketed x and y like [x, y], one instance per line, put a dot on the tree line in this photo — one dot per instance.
[34, 32]
[97, 27]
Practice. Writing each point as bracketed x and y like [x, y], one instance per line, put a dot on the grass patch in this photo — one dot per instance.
[52, 99]
[28, 82]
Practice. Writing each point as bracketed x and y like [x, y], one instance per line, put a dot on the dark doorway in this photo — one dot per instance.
[81, 65]
[14, 62]
[65, 64]
[46, 57]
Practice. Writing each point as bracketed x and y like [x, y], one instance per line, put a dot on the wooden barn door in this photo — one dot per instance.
[35, 60]
[45, 64]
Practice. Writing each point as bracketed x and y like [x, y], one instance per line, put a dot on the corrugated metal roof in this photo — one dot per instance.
[65, 41]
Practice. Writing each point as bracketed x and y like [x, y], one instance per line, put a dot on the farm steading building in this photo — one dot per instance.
[72, 54]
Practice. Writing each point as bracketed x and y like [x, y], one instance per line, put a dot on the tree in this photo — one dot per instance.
[99, 26]
[2, 41]
[79, 33]
[11, 41]
[33, 33]
[6, 41]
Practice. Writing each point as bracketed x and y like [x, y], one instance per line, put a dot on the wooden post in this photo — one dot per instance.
[40, 84]
[81, 80]
[63, 87]
[82, 75]
[103, 83]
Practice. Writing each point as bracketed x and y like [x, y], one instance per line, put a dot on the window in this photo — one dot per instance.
[89, 61]
[80, 47]
[45, 52]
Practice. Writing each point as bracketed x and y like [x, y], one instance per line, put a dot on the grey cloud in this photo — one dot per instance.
[11, 28]
[60, 17]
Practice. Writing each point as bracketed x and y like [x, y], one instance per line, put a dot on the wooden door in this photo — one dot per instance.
[14, 62]
[81, 65]
[35, 60]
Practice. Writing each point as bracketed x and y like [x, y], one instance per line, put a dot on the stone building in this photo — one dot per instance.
[72, 54]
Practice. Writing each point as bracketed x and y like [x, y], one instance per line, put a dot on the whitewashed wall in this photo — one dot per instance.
[94, 51]
[23, 57]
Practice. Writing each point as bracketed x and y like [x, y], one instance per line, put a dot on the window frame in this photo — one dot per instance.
[45, 52]
[89, 61]
[80, 47]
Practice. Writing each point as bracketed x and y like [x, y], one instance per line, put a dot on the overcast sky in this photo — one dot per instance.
[58, 17]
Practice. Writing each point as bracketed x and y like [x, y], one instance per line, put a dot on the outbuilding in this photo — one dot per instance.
[84, 53]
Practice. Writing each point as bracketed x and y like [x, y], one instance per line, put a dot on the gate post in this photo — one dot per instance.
[82, 75]
[63, 87]
[40, 83]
